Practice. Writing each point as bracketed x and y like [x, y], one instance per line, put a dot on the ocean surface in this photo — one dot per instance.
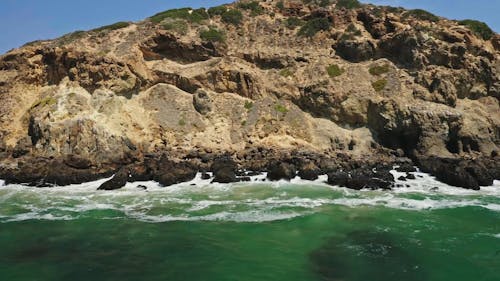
[286, 231]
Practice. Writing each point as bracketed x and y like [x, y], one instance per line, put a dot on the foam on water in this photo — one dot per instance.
[255, 201]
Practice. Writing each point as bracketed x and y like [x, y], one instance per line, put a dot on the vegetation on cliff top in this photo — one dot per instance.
[479, 28]
[189, 14]
[114, 26]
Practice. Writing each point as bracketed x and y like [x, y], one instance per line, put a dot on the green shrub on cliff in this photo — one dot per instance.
[422, 15]
[379, 69]
[194, 16]
[179, 26]
[114, 26]
[286, 72]
[232, 17]
[334, 70]
[313, 26]
[281, 108]
[212, 35]
[293, 22]
[217, 11]
[348, 4]
[379, 85]
[480, 28]
[253, 6]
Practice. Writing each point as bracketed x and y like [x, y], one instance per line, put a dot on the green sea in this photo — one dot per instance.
[286, 231]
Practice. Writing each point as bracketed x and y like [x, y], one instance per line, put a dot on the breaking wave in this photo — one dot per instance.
[255, 201]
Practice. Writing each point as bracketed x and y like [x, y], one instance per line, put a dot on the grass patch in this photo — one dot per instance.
[212, 35]
[379, 69]
[348, 4]
[253, 6]
[114, 26]
[248, 105]
[379, 85]
[233, 17]
[479, 28]
[281, 108]
[47, 101]
[286, 72]
[334, 70]
[188, 14]
[313, 26]
[293, 22]
[243, 123]
[179, 26]
[422, 15]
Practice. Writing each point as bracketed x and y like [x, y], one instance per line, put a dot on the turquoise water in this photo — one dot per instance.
[253, 231]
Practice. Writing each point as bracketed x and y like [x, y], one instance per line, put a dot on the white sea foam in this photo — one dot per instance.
[253, 201]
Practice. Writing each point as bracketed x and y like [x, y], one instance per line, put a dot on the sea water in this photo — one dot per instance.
[297, 230]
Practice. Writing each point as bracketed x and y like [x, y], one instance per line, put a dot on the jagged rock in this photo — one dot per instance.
[118, 181]
[406, 168]
[281, 170]
[90, 102]
[309, 171]
[169, 172]
[355, 51]
[453, 172]
[362, 179]
[224, 169]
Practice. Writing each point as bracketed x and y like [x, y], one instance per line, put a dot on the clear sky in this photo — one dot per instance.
[22, 21]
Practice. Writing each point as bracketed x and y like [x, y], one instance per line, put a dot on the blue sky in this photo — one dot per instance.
[22, 21]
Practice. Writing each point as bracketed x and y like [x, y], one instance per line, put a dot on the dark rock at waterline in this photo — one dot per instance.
[309, 171]
[224, 169]
[402, 178]
[142, 187]
[43, 172]
[410, 176]
[169, 172]
[118, 181]
[362, 178]
[281, 170]
[406, 168]
[205, 176]
[470, 174]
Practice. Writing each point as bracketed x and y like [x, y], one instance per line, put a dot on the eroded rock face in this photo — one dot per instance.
[373, 85]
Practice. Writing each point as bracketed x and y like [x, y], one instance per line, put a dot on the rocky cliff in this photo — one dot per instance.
[310, 85]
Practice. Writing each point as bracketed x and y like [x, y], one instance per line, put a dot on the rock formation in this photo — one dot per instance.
[321, 88]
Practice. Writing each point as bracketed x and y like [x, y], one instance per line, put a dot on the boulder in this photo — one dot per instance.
[362, 179]
[281, 170]
[449, 171]
[169, 172]
[118, 181]
[224, 169]
[309, 171]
